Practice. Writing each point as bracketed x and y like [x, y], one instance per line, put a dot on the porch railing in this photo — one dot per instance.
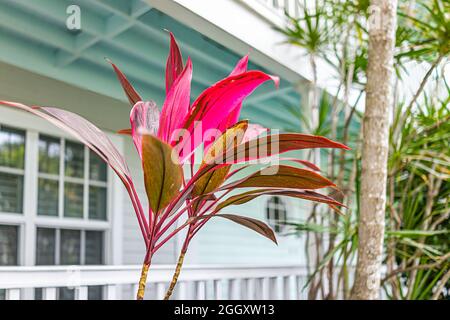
[120, 282]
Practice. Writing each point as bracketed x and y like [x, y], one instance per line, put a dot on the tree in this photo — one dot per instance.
[382, 25]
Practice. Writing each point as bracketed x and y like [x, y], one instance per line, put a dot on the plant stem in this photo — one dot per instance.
[179, 263]
[143, 281]
[146, 266]
[441, 286]
[175, 276]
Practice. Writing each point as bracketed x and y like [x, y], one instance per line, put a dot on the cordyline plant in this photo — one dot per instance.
[166, 142]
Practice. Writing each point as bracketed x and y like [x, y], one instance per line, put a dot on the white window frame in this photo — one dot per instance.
[28, 221]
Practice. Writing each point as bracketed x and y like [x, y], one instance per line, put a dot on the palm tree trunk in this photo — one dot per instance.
[382, 28]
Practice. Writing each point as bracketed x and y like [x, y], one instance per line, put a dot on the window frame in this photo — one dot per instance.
[83, 241]
[28, 221]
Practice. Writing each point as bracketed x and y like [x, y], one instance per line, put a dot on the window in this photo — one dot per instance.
[75, 246]
[69, 247]
[74, 187]
[59, 188]
[276, 213]
[12, 160]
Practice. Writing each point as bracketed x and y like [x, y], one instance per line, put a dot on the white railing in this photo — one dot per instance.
[120, 282]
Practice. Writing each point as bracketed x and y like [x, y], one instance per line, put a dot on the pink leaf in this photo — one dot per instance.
[240, 67]
[176, 105]
[234, 114]
[217, 102]
[144, 118]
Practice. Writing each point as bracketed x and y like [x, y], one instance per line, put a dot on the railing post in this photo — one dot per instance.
[218, 294]
[279, 290]
[291, 288]
[235, 289]
[49, 293]
[160, 290]
[201, 290]
[265, 288]
[111, 292]
[12, 294]
[81, 293]
[182, 291]
[251, 289]
[134, 290]
[299, 286]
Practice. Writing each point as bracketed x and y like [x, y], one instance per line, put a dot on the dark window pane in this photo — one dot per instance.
[11, 193]
[12, 147]
[38, 294]
[2, 294]
[97, 203]
[94, 247]
[45, 246]
[66, 294]
[276, 213]
[74, 159]
[97, 168]
[70, 247]
[9, 239]
[95, 293]
[49, 151]
[73, 200]
[47, 197]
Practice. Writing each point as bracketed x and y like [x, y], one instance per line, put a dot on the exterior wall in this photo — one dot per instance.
[224, 242]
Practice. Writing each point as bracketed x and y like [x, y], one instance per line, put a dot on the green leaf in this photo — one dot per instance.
[214, 178]
[416, 233]
[163, 174]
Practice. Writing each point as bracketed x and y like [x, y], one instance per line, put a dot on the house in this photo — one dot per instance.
[60, 205]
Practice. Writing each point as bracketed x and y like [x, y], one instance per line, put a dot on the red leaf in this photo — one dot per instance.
[131, 93]
[267, 146]
[282, 177]
[301, 194]
[251, 223]
[174, 64]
